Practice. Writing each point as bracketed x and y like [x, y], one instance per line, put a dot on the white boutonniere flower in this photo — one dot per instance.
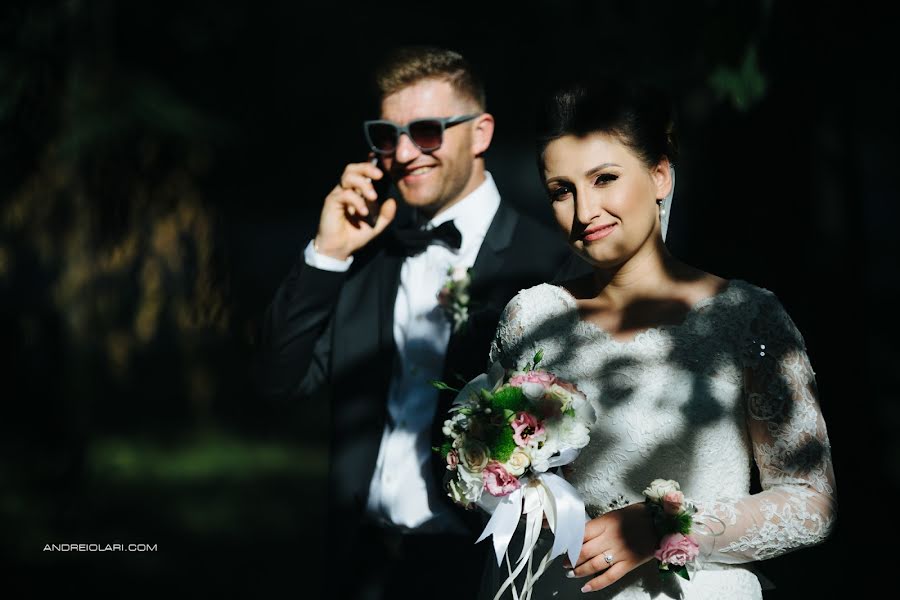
[454, 297]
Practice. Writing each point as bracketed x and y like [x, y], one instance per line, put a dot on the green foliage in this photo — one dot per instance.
[534, 361]
[508, 398]
[503, 445]
[665, 524]
[744, 85]
[682, 523]
[442, 386]
[203, 458]
[444, 450]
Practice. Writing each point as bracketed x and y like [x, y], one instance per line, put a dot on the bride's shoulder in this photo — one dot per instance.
[751, 294]
[705, 288]
[539, 300]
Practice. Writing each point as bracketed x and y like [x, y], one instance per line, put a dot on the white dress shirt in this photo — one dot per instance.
[402, 490]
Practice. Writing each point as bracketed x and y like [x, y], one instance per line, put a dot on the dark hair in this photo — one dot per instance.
[406, 66]
[639, 115]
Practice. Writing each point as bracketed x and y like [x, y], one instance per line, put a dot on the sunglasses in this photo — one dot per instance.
[426, 134]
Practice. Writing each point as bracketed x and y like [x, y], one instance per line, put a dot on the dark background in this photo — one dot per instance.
[162, 164]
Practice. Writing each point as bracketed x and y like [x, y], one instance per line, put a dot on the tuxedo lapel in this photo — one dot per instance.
[392, 257]
[490, 257]
[388, 282]
[467, 350]
[484, 306]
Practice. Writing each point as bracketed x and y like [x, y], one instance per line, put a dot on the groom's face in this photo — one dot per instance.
[432, 181]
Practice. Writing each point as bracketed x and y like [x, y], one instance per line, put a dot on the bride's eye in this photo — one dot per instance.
[605, 178]
[558, 193]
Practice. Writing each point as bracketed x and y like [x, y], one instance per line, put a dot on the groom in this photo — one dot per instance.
[360, 313]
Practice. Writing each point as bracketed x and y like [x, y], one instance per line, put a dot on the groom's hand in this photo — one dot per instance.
[351, 216]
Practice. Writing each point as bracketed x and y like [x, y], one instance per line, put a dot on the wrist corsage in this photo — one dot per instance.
[673, 520]
[454, 297]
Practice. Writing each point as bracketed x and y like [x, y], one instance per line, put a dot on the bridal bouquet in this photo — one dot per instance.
[506, 434]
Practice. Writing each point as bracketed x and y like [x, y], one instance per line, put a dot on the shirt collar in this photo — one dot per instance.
[473, 214]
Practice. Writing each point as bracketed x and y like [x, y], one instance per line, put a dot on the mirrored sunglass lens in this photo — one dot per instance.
[383, 136]
[426, 134]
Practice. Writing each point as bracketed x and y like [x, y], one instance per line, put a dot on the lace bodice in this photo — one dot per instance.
[696, 402]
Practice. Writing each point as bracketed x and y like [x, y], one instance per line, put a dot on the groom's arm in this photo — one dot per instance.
[296, 333]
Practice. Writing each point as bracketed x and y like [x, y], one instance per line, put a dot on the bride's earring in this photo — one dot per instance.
[659, 202]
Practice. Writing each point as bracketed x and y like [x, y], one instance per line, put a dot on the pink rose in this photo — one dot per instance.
[569, 387]
[443, 296]
[527, 428]
[542, 377]
[673, 502]
[677, 549]
[498, 481]
[452, 460]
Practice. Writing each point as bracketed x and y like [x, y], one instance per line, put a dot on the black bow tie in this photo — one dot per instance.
[413, 240]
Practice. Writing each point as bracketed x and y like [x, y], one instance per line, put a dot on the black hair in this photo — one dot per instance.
[639, 115]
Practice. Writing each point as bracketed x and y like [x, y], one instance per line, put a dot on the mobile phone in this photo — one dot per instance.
[383, 185]
[382, 189]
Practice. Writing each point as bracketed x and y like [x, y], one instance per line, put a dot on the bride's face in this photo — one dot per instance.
[604, 196]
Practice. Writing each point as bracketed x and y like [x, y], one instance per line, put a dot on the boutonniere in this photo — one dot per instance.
[454, 297]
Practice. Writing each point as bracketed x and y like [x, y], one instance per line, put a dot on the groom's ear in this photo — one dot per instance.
[662, 177]
[483, 133]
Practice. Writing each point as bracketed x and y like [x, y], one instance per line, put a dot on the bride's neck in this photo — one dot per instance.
[641, 276]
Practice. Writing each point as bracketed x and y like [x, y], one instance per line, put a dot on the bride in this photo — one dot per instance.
[694, 378]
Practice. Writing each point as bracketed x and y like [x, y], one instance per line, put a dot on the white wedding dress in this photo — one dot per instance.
[697, 402]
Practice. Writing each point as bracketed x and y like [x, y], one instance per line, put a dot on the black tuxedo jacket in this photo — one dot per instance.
[336, 329]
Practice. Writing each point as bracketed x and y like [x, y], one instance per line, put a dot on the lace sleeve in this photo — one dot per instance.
[506, 346]
[797, 506]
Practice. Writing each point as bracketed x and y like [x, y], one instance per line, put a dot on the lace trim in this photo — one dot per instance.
[652, 334]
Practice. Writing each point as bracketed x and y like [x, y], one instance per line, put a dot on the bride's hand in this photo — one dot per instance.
[626, 535]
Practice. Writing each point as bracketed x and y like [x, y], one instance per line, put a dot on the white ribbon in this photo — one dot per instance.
[544, 494]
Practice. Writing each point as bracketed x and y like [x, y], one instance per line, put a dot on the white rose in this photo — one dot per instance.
[474, 456]
[584, 411]
[470, 484]
[457, 493]
[659, 488]
[571, 433]
[540, 457]
[562, 395]
[459, 273]
[465, 489]
[533, 391]
[517, 462]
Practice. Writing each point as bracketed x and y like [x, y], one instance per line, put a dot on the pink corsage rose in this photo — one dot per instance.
[677, 549]
[673, 518]
[673, 502]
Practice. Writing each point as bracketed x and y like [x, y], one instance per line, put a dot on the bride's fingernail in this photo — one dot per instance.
[570, 574]
[585, 589]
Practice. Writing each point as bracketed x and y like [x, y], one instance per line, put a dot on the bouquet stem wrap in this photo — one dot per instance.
[542, 494]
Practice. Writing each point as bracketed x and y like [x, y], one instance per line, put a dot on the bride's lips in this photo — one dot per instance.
[598, 232]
